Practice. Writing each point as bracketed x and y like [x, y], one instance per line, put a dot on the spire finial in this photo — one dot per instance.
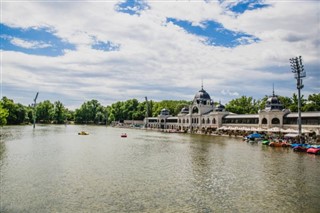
[202, 83]
[272, 89]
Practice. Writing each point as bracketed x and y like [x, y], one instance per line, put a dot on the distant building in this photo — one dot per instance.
[202, 115]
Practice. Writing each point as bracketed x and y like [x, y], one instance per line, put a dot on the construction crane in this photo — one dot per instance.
[34, 110]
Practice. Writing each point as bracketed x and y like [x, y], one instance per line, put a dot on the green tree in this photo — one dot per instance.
[286, 101]
[45, 112]
[16, 112]
[60, 113]
[294, 105]
[3, 115]
[243, 105]
[313, 103]
[90, 112]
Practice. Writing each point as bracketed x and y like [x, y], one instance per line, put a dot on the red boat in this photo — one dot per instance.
[123, 135]
[313, 150]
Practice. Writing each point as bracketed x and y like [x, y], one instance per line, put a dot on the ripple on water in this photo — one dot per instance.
[52, 169]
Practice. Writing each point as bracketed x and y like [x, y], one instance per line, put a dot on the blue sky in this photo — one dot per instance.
[117, 50]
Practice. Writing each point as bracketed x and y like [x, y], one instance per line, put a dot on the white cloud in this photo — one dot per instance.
[158, 60]
[229, 93]
[29, 44]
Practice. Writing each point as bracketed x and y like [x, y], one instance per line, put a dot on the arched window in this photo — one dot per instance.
[275, 121]
[195, 110]
[214, 121]
[187, 121]
[264, 121]
[203, 121]
[208, 121]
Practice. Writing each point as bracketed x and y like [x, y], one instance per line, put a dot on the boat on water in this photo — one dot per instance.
[124, 135]
[300, 149]
[279, 144]
[265, 142]
[83, 133]
[314, 150]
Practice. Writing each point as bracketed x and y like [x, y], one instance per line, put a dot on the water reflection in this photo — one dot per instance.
[2, 151]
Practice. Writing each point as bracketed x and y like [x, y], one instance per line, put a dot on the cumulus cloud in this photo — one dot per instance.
[229, 93]
[155, 58]
[29, 44]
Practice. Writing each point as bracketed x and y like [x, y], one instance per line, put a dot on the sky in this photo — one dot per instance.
[111, 50]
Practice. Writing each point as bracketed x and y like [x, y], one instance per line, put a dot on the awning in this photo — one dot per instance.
[291, 135]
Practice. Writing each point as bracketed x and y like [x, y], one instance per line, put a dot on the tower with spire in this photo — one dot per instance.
[273, 102]
[202, 102]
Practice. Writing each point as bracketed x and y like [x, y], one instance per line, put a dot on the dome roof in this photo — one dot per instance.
[164, 112]
[273, 103]
[202, 94]
[185, 110]
[220, 107]
[273, 100]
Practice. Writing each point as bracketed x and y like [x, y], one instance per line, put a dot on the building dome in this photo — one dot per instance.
[203, 98]
[164, 112]
[220, 107]
[273, 103]
[184, 110]
[202, 94]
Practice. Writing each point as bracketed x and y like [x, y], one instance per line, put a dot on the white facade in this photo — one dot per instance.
[202, 115]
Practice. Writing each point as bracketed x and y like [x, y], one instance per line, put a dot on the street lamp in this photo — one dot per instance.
[34, 110]
[299, 73]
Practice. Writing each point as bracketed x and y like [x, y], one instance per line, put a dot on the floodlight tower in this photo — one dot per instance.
[299, 73]
[34, 110]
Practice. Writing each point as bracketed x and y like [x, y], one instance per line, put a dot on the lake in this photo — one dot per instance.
[53, 169]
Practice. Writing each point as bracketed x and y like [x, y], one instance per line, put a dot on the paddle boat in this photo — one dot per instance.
[300, 149]
[314, 150]
[83, 133]
[265, 142]
[279, 144]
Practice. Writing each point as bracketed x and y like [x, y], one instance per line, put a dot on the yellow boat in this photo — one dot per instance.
[83, 133]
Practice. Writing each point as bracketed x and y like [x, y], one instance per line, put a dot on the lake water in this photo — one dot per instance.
[53, 169]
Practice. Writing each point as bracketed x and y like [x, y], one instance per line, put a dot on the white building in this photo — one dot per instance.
[202, 115]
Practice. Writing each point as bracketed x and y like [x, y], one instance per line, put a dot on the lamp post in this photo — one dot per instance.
[34, 110]
[299, 73]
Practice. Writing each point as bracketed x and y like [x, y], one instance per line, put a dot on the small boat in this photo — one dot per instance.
[124, 135]
[300, 149]
[313, 150]
[279, 144]
[265, 142]
[83, 133]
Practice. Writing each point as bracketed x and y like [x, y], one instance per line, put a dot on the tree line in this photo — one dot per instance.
[92, 112]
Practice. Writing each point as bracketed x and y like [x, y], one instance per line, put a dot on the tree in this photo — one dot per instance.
[243, 105]
[286, 101]
[294, 106]
[3, 115]
[313, 103]
[45, 112]
[16, 112]
[90, 112]
[60, 113]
